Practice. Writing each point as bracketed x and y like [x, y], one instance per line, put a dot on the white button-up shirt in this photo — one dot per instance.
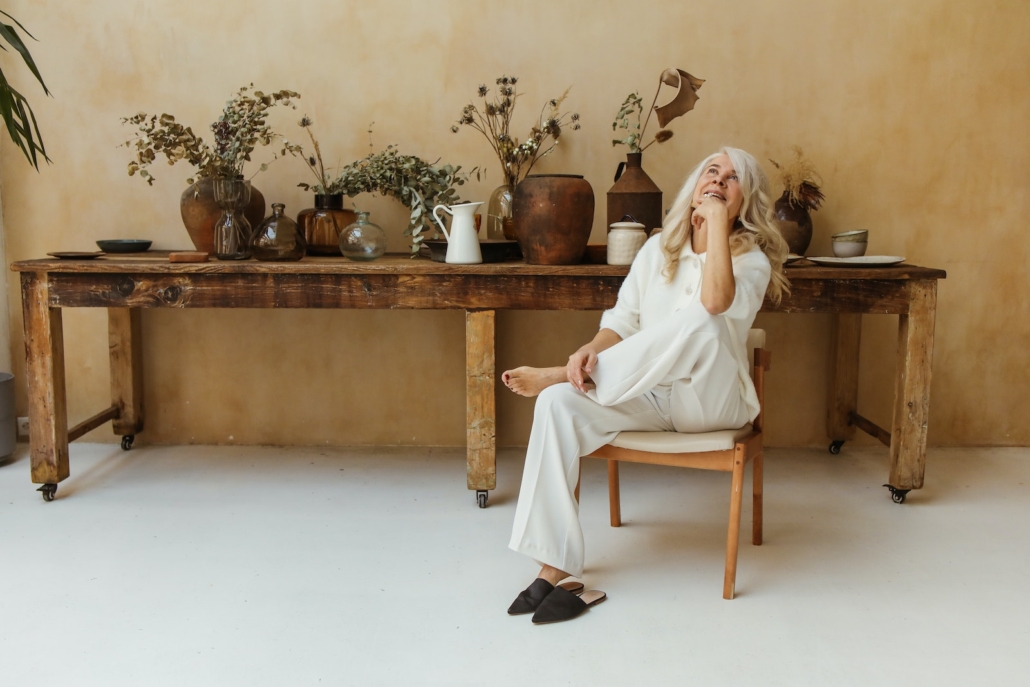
[646, 298]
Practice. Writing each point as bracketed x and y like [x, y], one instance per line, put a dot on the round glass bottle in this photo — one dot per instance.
[277, 239]
[363, 240]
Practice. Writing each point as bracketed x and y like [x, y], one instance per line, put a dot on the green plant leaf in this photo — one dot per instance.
[21, 123]
[8, 33]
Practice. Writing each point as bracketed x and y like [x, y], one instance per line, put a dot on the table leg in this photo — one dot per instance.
[480, 407]
[912, 388]
[125, 338]
[844, 389]
[44, 371]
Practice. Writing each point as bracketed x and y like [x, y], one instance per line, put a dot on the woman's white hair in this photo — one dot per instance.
[754, 226]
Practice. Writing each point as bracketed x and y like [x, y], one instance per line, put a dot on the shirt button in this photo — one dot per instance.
[689, 290]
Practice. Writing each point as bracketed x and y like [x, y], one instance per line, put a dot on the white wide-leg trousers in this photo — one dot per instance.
[679, 375]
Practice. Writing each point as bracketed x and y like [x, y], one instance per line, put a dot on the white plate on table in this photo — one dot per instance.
[860, 261]
[793, 257]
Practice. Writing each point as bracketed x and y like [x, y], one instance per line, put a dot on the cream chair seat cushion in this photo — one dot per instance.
[675, 442]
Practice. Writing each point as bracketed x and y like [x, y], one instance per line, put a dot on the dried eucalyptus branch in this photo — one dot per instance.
[240, 128]
[418, 184]
[632, 108]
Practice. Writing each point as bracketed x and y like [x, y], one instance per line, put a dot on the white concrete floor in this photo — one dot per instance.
[283, 566]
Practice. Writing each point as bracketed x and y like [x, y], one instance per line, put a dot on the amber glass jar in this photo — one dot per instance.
[321, 225]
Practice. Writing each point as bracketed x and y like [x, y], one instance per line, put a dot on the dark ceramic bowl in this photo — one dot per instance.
[124, 245]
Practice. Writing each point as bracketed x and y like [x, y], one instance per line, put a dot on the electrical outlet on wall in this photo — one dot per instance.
[23, 427]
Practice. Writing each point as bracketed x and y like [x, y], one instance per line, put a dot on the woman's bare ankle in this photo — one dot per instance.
[552, 574]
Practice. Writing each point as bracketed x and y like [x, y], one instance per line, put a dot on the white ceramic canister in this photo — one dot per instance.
[624, 241]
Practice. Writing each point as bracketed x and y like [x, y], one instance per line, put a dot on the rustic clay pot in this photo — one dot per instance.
[553, 215]
[322, 224]
[200, 212]
[635, 195]
[794, 223]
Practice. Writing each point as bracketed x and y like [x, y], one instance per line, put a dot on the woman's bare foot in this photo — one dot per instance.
[530, 381]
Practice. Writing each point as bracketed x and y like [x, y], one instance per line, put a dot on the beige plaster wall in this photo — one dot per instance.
[915, 112]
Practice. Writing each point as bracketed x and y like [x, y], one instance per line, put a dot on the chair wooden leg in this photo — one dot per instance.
[756, 494]
[614, 506]
[733, 538]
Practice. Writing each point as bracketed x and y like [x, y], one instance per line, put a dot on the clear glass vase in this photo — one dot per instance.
[232, 230]
[277, 238]
[499, 224]
[362, 240]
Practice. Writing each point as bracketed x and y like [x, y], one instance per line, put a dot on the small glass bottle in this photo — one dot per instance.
[277, 239]
[232, 230]
[362, 240]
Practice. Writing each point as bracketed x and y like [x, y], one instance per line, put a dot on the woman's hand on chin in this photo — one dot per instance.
[711, 212]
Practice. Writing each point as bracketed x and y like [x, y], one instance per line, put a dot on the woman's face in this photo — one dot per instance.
[719, 182]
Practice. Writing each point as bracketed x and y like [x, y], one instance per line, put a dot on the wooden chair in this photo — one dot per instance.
[726, 451]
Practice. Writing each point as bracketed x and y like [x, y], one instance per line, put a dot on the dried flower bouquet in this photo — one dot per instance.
[494, 122]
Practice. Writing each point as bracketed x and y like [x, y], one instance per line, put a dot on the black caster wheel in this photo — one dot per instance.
[481, 497]
[127, 441]
[835, 447]
[48, 490]
[898, 495]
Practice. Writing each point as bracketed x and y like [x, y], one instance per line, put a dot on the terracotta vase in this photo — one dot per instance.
[322, 225]
[200, 212]
[635, 195]
[794, 223]
[553, 215]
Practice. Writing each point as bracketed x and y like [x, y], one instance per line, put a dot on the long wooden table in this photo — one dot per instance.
[126, 285]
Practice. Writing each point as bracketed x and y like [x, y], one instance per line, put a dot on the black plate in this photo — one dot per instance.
[493, 250]
[124, 245]
[74, 255]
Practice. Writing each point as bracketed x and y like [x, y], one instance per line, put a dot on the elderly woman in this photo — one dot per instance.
[669, 356]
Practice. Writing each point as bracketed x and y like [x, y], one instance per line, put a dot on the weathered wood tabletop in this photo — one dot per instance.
[126, 284]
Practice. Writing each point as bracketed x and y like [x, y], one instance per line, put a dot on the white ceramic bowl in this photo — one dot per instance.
[849, 249]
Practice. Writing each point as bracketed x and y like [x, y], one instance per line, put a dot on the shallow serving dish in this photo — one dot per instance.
[860, 261]
[74, 255]
[493, 250]
[124, 245]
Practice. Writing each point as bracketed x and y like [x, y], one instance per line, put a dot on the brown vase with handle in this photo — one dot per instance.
[794, 222]
[200, 212]
[635, 195]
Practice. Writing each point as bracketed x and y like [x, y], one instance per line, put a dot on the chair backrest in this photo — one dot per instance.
[755, 339]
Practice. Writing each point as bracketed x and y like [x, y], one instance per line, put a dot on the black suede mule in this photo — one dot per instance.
[561, 605]
[532, 596]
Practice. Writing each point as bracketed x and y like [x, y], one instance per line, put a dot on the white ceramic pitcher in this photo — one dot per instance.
[462, 241]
